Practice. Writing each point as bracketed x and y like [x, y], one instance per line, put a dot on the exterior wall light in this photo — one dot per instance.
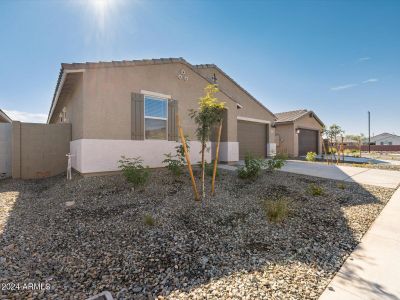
[297, 131]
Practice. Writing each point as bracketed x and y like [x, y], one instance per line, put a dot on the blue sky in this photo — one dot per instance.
[338, 58]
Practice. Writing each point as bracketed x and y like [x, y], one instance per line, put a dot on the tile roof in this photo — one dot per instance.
[290, 116]
[293, 115]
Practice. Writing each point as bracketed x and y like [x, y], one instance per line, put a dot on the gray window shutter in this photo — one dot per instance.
[137, 117]
[172, 126]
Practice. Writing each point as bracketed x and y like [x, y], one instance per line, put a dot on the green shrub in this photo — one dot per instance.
[252, 167]
[275, 163]
[174, 164]
[282, 156]
[276, 210]
[341, 185]
[311, 156]
[209, 169]
[149, 220]
[133, 170]
[315, 190]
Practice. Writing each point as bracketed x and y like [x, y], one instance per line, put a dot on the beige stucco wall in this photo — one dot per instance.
[289, 140]
[73, 102]
[107, 98]
[99, 106]
[285, 139]
[250, 109]
[39, 149]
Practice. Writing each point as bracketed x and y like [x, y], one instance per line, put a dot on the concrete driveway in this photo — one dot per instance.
[383, 178]
[372, 271]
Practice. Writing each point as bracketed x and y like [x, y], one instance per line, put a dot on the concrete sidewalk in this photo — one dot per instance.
[372, 271]
[383, 178]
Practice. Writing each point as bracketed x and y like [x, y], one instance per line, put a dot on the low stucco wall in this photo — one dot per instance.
[98, 156]
[38, 150]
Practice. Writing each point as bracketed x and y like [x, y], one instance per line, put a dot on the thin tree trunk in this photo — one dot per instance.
[203, 148]
[326, 155]
[187, 157]
[216, 159]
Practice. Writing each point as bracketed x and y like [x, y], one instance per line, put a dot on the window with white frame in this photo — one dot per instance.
[155, 118]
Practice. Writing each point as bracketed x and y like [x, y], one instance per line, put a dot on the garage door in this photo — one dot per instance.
[308, 141]
[252, 139]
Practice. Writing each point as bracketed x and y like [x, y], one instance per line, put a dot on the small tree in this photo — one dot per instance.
[209, 114]
[333, 134]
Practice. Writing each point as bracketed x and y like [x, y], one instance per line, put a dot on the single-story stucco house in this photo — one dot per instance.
[129, 108]
[298, 132]
[385, 139]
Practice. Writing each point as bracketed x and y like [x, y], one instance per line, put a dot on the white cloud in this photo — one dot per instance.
[371, 80]
[26, 116]
[343, 87]
[366, 58]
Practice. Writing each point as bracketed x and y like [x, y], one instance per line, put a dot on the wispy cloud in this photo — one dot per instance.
[366, 58]
[26, 116]
[343, 87]
[371, 80]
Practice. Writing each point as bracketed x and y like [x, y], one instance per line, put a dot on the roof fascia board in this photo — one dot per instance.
[59, 88]
[253, 120]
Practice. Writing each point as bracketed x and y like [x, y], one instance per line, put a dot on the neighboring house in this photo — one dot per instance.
[4, 118]
[130, 108]
[385, 139]
[5, 145]
[298, 132]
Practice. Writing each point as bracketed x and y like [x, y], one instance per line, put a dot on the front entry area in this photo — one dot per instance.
[308, 141]
[252, 138]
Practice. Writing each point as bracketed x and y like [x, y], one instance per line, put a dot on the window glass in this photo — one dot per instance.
[156, 129]
[155, 107]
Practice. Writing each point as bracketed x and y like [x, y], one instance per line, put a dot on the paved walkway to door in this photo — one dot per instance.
[372, 271]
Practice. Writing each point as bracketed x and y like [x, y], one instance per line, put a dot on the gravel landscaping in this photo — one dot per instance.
[160, 243]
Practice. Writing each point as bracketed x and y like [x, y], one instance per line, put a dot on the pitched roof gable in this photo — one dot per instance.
[294, 115]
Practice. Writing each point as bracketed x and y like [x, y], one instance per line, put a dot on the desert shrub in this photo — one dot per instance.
[283, 156]
[276, 210]
[315, 190]
[210, 169]
[174, 164]
[134, 171]
[311, 156]
[149, 220]
[252, 167]
[275, 163]
[341, 185]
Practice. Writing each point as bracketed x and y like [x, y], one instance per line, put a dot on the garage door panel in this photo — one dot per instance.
[308, 141]
[252, 139]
